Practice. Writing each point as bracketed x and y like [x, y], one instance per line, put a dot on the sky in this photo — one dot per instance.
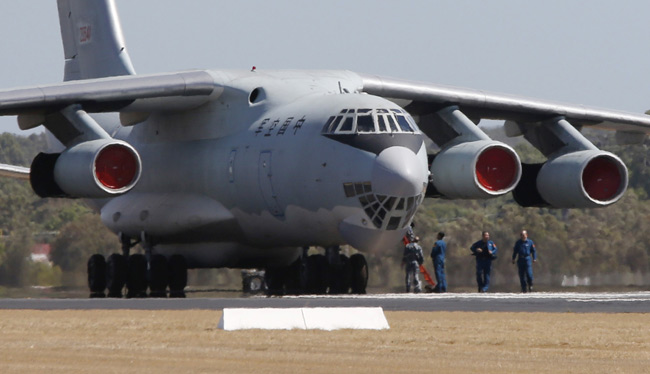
[593, 52]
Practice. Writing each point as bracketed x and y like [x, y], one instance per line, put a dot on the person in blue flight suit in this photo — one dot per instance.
[525, 254]
[485, 251]
[412, 260]
[438, 257]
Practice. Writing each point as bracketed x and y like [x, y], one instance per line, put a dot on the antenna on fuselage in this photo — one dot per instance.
[342, 90]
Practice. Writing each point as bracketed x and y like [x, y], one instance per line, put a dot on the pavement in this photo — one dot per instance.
[565, 302]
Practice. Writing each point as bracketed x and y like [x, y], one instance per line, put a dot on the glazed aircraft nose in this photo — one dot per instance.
[398, 172]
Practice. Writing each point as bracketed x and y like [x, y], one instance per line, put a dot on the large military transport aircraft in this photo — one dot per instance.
[241, 169]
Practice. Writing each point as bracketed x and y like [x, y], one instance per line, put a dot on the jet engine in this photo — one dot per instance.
[475, 170]
[92, 169]
[584, 179]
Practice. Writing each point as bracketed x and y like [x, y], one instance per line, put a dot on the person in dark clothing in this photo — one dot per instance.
[412, 260]
[525, 253]
[438, 257]
[485, 251]
[409, 237]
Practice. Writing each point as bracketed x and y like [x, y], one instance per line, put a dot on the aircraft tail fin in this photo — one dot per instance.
[93, 44]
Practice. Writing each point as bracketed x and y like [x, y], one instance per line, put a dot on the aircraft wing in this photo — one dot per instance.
[422, 98]
[11, 171]
[131, 93]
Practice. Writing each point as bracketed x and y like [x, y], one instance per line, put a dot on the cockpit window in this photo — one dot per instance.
[335, 123]
[367, 120]
[391, 122]
[382, 123]
[365, 123]
[327, 128]
[347, 124]
[403, 123]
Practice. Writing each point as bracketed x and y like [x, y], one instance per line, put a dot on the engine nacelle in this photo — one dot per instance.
[583, 179]
[476, 170]
[93, 169]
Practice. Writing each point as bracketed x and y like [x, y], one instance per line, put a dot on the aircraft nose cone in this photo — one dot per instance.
[398, 172]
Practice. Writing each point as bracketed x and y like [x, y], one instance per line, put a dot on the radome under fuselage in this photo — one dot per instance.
[252, 176]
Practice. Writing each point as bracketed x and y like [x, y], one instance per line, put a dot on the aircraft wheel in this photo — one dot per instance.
[177, 268]
[295, 281]
[340, 276]
[115, 274]
[158, 277]
[274, 278]
[253, 283]
[359, 273]
[136, 278]
[317, 274]
[96, 275]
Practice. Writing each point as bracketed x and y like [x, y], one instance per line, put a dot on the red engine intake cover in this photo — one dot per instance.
[116, 166]
[496, 169]
[601, 179]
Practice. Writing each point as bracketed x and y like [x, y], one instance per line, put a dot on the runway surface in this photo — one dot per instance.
[635, 302]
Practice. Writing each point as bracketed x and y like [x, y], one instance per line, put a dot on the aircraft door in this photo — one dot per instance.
[266, 184]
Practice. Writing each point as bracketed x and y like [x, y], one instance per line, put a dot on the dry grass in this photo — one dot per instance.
[442, 342]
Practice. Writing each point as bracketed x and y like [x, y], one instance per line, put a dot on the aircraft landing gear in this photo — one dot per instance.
[332, 273]
[158, 277]
[317, 278]
[359, 270]
[136, 280]
[338, 271]
[137, 272]
[177, 268]
[116, 267]
[97, 275]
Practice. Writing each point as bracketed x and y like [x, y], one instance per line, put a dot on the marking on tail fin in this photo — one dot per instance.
[84, 34]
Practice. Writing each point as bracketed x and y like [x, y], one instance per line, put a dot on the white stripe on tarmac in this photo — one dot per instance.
[568, 296]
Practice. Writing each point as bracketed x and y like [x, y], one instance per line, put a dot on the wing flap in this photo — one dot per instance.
[427, 98]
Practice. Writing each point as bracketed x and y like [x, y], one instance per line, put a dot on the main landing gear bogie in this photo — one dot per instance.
[136, 275]
[318, 274]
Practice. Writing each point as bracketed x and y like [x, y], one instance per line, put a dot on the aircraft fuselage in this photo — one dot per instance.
[273, 165]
